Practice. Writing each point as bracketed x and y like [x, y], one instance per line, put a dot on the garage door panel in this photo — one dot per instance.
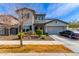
[54, 30]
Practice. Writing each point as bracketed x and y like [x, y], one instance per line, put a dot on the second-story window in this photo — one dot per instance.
[39, 17]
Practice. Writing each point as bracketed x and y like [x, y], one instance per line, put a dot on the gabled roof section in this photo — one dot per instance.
[25, 9]
[8, 20]
[53, 19]
[9, 16]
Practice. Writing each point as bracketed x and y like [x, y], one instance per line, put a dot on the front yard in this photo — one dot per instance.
[36, 48]
[32, 48]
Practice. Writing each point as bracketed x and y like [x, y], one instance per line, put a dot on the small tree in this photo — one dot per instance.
[20, 36]
[22, 19]
[74, 24]
[39, 32]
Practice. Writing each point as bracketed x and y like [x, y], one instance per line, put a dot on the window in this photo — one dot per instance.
[28, 15]
[39, 17]
[36, 17]
[30, 27]
[23, 30]
[42, 17]
[56, 21]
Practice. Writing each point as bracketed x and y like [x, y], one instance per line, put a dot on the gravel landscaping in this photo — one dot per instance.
[28, 38]
[34, 49]
[11, 37]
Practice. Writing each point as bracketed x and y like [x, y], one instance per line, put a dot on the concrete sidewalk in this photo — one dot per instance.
[39, 54]
[17, 42]
[73, 45]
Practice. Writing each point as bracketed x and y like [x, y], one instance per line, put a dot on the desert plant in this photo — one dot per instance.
[33, 33]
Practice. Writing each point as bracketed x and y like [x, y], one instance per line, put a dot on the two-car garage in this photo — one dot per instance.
[55, 26]
[55, 29]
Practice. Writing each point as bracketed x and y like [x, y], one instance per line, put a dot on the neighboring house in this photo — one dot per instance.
[32, 21]
[8, 24]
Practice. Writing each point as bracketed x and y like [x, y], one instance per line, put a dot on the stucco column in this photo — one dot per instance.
[32, 28]
[45, 28]
[9, 30]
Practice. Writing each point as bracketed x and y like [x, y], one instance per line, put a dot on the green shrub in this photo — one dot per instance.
[39, 32]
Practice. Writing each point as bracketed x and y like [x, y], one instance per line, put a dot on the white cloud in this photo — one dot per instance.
[61, 10]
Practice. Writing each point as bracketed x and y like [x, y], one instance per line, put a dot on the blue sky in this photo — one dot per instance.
[63, 11]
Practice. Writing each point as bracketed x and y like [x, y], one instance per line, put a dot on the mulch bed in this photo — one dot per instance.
[34, 49]
[46, 38]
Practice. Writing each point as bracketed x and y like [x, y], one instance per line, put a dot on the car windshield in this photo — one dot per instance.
[76, 31]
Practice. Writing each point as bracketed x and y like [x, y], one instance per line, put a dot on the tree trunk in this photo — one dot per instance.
[21, 43]
[20, 30]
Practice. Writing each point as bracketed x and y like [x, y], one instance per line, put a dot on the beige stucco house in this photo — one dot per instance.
[31, 21]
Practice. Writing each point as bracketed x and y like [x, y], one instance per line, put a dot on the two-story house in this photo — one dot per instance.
[32, 21]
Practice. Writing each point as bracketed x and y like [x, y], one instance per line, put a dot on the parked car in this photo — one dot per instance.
[70, 34]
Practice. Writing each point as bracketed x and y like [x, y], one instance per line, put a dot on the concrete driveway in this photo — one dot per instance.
[70, 43]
